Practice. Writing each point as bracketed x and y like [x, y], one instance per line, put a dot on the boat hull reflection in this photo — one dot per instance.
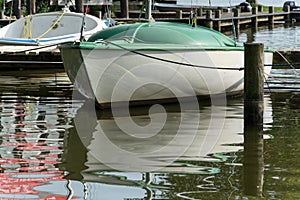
[120, 153]
[146, 142]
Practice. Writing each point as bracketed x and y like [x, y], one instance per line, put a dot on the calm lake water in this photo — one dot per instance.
[281, 36]
[53, 147]
[56, 145]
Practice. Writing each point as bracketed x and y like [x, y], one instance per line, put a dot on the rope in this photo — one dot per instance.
[170, 61]
[51, 27]
[269, 75]
[265, 78]
[27, 28]
[283, 65]
[289, 64]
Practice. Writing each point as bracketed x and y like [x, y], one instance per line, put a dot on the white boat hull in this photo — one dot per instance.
[120, 76]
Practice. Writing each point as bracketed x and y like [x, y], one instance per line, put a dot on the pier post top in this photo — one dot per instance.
[254, 10]
[237, 12]
[253, 44]
[208, 14]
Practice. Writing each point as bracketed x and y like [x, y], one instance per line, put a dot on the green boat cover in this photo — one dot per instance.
[167, 33]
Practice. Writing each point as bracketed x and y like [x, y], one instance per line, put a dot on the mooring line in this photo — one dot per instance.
[269, 75]
[282, 65]
[286, 60]
[266, 81]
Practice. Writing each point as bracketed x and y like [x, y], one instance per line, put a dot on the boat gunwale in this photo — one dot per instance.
[150, 47]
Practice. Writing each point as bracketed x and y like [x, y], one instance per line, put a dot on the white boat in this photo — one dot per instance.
[50, 28]
[150, 61]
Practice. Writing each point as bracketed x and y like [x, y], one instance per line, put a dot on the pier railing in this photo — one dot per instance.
[220, 18]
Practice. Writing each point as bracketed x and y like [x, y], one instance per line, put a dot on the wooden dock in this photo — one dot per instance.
[220, 19]
[18, 57]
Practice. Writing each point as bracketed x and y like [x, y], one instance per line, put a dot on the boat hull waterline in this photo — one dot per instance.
[120, 76]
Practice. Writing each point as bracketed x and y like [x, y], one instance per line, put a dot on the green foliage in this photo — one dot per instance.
[42, 6]
[266, 8]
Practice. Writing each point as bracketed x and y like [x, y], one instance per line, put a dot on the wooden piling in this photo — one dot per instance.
[253, 84]
[236, 15]
[209, 19]
[271, 18]
[288, 10]
[124, 8]
[260, 8]
[217, 23]
[254, 19]
[253, 119]
[17, 8]
[200, 11]
[179, 14]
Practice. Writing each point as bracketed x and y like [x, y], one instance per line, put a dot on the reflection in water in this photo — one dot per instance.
[253, 160]
[32, 129]
[50, 146]
[191, 173]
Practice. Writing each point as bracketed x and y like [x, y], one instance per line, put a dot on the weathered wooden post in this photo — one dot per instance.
[148, 10]
[253, 84]
[200, 11]
[209, 22]
[79, 6]
[30, 6]
[271, 17]
[253, 119]
[236, 15]
[287, 9]
[260, 8]
[124, 9]
[217, 23]
[179, 14]
[17, 8]
[254, 19]
[251, 35]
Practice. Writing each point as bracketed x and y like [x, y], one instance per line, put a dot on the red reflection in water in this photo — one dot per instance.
[25, 179]
[27, 159]
[11, 184]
